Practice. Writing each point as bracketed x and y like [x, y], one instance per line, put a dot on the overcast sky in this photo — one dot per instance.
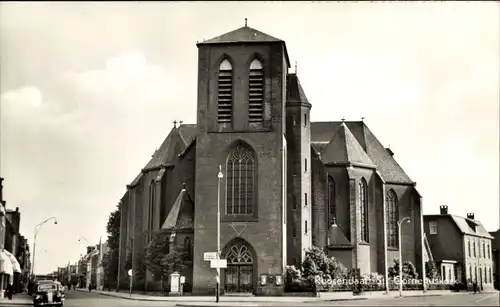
[89, 90]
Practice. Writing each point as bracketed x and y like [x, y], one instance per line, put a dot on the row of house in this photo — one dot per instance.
[88, 270]
[14, 249]
[462, 248]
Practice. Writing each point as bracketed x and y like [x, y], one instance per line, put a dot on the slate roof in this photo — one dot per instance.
[337, 238]
[243, 34]
[294, 91]
[464, 225]
[173, 215]
[177, 140]
[343, 148]
[390, 170]
[465, 228]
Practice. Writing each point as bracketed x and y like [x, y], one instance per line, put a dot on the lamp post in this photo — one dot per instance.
[37, 229]
[219, 178]
[400, 222]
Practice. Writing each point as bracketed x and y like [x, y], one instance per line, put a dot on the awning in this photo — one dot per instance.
[16, 268]
[5, 264]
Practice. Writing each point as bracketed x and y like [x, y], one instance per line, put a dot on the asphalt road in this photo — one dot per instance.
[85, 299]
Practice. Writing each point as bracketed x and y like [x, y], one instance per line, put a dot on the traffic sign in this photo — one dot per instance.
[207, 256]
[218, 263]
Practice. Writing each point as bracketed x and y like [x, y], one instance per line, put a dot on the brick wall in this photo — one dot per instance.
[212, 149]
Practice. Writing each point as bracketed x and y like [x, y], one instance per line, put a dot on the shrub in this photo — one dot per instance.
[409, 270]
[431, 269]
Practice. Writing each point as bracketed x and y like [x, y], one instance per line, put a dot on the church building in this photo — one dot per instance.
[287, 183]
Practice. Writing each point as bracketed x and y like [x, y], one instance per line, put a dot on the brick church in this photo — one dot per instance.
[288, 183]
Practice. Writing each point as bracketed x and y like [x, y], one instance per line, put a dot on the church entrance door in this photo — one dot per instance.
[239, 271]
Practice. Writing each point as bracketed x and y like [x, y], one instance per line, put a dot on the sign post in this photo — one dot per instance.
[130, 282]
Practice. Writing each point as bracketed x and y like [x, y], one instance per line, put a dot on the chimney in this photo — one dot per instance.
[443, 209]
[390, 151]
[17, 209]
[470, 216]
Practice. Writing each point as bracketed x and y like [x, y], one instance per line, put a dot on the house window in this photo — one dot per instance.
[305, 120]
[470, 273]
[255, 92]
[391, 218]
[305, 199]
[433, 228]
[305, 226]
[332, 209]
[484, 250]
[225, 93]
[305, 165]
[363, 203]
[489, 252]
[474, 249]
[489, 274]
[468, 247]
[241, 181]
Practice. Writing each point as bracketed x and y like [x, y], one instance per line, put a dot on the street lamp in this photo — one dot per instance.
[37, 229]
[400, 222]
[219, 178]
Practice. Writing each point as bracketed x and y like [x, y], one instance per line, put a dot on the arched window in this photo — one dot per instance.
[255, 92]
[484, 250]
[332, 208]
[489, 253]
[363, 203]
[489, 274]
[468, 247]
[241, 181]
[188, 248]
[151, 206]
[225, 93]
[474, 248]
[391, 218]
[470, 273]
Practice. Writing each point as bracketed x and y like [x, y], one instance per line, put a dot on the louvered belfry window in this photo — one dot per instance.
[255, 92]
[225, 94]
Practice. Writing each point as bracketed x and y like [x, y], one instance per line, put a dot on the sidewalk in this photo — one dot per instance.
[20, 299]
[269, 300]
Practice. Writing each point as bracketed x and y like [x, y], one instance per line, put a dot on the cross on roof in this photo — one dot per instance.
[180, 123]
[175, 124]
[343, 119]
[362, 118]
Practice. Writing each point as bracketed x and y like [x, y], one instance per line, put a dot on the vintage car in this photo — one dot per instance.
[48, 293]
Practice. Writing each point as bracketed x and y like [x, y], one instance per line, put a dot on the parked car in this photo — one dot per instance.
[48, 292]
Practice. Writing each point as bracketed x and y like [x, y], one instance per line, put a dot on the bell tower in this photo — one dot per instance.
[241, 127]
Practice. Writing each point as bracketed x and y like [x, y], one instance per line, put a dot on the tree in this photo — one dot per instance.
[74, 279]
[431, 271]
[409, 270]
[317, 263]
[113, 230]
[162, 261]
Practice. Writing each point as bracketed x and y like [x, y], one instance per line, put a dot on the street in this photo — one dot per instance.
[86, 299]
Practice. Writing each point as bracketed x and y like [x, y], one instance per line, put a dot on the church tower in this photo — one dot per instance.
[241, 127]
[299, 217]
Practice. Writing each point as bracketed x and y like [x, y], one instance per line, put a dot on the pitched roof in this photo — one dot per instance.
[177, 140]
[464, 224]
[344, 148]
[243, 34]
[294, 91]
[173, 215]
[390, 170]
[336, 237]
